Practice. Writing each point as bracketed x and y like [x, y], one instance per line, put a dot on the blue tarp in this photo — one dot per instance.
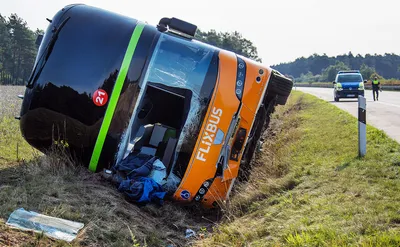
[136, 165]
[136, 184]
[142, 190]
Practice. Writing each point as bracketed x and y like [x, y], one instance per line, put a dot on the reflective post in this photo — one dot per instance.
[362, 126]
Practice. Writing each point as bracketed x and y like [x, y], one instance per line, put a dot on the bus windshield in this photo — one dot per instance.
[180, 63]
[186, 69]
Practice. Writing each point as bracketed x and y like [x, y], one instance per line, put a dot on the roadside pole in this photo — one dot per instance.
[362, 126]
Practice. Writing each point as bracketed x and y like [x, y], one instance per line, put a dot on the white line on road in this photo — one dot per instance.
[384, 103]
[384, 115]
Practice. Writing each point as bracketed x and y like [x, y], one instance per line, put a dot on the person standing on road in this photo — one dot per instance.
[375, 87]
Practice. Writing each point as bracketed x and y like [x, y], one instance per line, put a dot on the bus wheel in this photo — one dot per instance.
[252, 143]
[280, 86]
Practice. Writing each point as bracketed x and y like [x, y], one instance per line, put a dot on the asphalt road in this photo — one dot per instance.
[383, 114]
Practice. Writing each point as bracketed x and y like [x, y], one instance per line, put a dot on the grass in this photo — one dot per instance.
[390, 82]
[309, 188]
[12, 145]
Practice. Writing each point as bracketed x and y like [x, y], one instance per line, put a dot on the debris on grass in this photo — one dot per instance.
[50, 226]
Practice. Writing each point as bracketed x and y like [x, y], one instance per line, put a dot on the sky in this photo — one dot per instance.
[282, 30]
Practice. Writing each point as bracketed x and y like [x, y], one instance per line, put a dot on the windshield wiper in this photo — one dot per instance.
[46, 54]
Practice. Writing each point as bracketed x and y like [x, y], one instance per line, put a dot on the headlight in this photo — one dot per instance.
[339, 86]
[361, 86]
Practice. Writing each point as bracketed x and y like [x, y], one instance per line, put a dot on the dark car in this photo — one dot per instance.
[348, 84]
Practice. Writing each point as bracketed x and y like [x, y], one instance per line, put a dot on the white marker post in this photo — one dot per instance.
[362, 126]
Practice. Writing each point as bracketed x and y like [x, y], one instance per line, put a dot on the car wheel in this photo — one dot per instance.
[336, 99]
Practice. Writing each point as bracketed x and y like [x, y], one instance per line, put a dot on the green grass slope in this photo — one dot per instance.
[309, 188]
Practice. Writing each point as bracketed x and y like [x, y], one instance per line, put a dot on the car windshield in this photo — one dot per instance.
[349, 78]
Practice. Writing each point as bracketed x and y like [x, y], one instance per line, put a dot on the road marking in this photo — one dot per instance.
[389, 104]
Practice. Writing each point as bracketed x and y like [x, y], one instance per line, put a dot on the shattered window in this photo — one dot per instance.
[180, 63]
[191, 65]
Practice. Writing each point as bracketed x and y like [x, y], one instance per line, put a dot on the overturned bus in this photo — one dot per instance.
[109, 86]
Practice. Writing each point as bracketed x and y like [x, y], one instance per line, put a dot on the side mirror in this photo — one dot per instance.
[178, 25]
[333, 82]
[365, 81]
[38, 41]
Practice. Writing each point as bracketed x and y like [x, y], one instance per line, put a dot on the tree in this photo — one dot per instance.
[377, 76]
[22, 48]
[330, 72]
[231, 41]
[17, 50]
[366, 71]
[309, 77]
[4, 40]
[386, 65]
[38, 32]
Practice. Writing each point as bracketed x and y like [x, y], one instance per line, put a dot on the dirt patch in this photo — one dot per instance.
[10, 237]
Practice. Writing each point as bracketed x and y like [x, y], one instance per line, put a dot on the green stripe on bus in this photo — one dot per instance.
[112, 104]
